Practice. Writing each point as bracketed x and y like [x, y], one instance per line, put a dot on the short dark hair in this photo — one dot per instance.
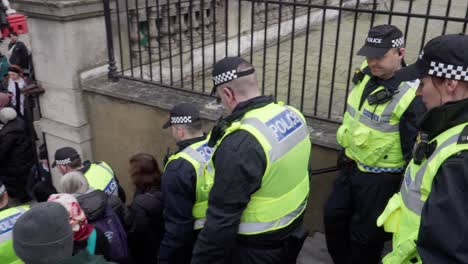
[144, 172]
[438, 81]
[194, 127]
[75, 163]
[42, 190]
[13, 33]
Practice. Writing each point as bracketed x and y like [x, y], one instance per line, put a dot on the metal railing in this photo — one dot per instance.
[303, 50]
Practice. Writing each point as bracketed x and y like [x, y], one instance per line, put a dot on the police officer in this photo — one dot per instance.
[8, 218]
[257, 178]
[429, 215]
[377, 135]
[179, 182]
[100, 175]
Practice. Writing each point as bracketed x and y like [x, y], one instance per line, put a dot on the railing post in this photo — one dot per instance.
[112, 74]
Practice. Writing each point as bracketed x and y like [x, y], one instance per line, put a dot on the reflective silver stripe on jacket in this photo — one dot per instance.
[279, 149]
[199, 223]
[383, 124]
[196, 156]
[7, 228]
[246, 228]
[411, 190]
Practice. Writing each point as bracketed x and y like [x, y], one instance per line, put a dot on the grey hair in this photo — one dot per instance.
[74, 182]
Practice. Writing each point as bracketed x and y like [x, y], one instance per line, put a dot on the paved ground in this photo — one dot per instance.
[314, 251]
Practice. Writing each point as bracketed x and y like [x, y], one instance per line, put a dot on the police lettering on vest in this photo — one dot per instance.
[371, 115]
[6, 225]
[283, 131]
[284, 124]
[111, 187]
[100, 176]
[205, 151]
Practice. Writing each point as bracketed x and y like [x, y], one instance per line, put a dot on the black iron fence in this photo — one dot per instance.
[303, 50]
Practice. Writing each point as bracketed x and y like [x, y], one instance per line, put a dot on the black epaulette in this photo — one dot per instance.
[423, 149]
[358, 76]
[463, 138]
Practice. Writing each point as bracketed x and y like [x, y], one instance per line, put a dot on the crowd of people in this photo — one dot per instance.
[239, 193]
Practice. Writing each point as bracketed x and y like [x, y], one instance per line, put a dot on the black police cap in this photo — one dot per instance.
[444, 56]
[184, 113]
[225, 71]
[380, 39]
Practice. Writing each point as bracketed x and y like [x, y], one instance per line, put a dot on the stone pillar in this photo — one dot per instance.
[168, 29]
[134, 32]
[67, 38]
[233, 17]
[153, 31]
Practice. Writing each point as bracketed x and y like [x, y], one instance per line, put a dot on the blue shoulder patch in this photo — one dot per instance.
[205, 151]
[284, 124]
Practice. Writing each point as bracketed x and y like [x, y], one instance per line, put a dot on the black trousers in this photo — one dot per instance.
[283, 252]
[351, 212]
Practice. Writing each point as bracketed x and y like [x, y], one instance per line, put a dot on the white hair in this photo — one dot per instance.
[7, 114]
[74, 182]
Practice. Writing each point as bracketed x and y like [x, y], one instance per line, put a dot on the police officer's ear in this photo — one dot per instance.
[401, 52]
[228, 93]
[451, 86]
[4, 200]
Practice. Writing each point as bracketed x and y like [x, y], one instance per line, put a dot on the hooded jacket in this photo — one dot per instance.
[94, 205]
[16, 157]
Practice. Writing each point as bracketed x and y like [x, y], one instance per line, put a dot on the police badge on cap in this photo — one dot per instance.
[380, 39]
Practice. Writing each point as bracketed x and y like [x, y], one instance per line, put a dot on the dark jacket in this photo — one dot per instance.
[240, 163]
[147, 226]
[83, 257]
[20, 55]
[178, 187]
[94, 205]
[102, 245]
[16, 157]
[443, 233]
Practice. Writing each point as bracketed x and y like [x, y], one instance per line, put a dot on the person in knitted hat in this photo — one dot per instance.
[43, 235]
[16, 154]
[85, 236]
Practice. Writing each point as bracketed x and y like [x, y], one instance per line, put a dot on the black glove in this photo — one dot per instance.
[342, 161]
[294, 244]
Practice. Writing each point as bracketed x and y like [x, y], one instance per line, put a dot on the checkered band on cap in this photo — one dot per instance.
[63, 162]
[181, 120]
[448, 71]
[225, 77]
[396, 43]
